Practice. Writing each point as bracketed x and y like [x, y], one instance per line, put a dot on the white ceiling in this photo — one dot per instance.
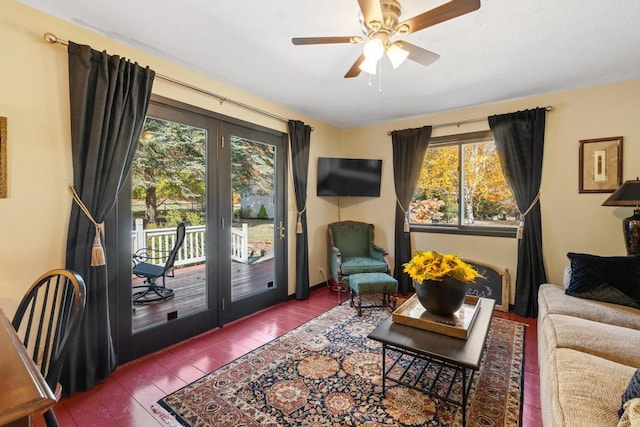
[507, 49]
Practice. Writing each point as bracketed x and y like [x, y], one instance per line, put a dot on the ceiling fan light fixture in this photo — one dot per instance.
[396, 54]
[369, 66]
[403, 29]
[374, 25]
[373, 50]
[380, 22]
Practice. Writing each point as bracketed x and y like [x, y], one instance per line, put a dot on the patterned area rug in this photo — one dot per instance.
[328, 373]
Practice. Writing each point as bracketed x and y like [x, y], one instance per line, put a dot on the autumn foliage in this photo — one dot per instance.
[484, 196]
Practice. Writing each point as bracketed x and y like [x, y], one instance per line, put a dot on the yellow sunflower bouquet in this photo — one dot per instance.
[431, 265]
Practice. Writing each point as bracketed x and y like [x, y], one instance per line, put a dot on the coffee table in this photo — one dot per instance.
[427, 350]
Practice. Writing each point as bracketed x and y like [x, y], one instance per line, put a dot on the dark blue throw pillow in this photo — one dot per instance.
[632, 391]
[614, 279]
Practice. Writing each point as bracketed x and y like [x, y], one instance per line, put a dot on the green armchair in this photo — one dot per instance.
[351, 250]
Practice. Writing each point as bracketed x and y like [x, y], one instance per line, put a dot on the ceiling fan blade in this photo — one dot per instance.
[443, 13]
[371, 11]
[354, 71]
[418, 54]
[325, 40]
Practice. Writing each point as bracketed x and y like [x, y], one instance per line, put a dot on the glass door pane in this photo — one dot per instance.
[168, 188]
[254, 196]
[253, 228]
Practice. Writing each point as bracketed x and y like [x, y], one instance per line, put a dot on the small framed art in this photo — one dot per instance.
[600, 169]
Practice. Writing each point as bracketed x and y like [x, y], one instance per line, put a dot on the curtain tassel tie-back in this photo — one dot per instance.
[299, 224]
[97, 250]
[405, 225]
[299, 221]
[520, 230]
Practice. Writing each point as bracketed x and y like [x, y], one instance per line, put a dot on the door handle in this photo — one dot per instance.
[281, 230]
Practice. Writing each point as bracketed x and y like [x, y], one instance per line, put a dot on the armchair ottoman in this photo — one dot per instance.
[351, 250]
[373, 283]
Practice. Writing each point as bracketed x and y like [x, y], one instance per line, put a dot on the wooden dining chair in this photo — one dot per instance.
[46, 320]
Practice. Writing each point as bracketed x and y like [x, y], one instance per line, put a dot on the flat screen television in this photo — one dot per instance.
[349, 177]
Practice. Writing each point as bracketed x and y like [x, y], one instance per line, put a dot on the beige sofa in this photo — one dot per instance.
[587, 353]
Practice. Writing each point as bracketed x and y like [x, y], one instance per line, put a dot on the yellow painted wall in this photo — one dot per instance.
[34, 97]
[571, 222]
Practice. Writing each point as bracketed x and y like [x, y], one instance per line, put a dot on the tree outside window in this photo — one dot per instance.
[461, 186]
[169, 174]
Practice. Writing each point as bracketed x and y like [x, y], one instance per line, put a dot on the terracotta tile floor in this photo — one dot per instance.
[126, 397]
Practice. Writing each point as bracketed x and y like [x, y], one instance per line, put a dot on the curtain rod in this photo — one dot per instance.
[53, 39]
[461, 122]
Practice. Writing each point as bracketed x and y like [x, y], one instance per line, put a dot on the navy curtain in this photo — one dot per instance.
[109, 98]
[300, 137]
[409, 148]
[519, 140]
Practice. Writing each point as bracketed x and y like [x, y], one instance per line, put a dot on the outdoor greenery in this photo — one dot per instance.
[262, 213]
[252, 166]
[260, 230]
[486, 197]
[169, 166]
[169, 178]
[169, 173]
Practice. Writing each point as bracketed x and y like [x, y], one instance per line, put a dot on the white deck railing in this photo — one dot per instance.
[193, 250]
[240, 243]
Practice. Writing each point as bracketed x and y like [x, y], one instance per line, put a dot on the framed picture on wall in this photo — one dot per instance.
[600, 169]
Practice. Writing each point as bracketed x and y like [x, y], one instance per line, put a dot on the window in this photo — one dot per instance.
[461, 188]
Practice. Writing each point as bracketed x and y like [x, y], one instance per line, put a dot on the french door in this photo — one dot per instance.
[225, 180]
[254, 189]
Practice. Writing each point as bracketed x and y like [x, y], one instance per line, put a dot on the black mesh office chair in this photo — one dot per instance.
[47, 319]
[151, 291]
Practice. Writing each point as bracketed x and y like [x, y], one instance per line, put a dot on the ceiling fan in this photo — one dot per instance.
[380, 23]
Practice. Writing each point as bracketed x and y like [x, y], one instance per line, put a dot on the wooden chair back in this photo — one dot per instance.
[48, 317]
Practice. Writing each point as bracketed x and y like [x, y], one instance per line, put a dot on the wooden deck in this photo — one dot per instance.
[190, 291]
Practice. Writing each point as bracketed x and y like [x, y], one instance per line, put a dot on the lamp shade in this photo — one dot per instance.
[627, 195]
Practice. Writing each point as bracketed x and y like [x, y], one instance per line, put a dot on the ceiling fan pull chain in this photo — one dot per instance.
[380, 81]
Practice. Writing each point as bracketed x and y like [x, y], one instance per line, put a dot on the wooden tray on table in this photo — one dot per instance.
[458, 325]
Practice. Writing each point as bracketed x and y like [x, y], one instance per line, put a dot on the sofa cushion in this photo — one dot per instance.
[632, 391]
[552, 299]
[579, 389]
[599, 339]
[631, 415]
[614, 279]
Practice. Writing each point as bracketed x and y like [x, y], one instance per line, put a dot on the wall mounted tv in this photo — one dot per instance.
[349, 177]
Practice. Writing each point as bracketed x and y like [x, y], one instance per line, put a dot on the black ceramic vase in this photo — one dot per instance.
[441, 297]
